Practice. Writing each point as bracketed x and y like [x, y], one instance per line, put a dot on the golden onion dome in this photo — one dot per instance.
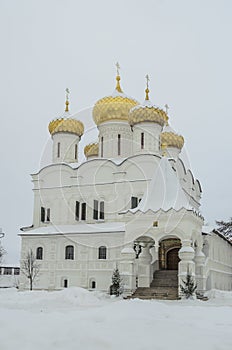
[113, 107]
[65, 123]
[171, 139]
[91, 150]
[147, 112]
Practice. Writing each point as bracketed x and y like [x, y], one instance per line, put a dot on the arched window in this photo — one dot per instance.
[42, 214]
[75, 152]
[93, 284]
[102, 146]
[102, 252]
[119, 144]
[58, 150]
[83, 211]
[39, 253]
[102, 213]
[134, 202]
[69, 252]
[142, 140]
[65, 283]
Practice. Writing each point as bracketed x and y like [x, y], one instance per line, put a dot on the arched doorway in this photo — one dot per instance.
[172, 259]
[168, 254]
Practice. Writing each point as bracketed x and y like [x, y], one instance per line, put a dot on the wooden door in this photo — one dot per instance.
[173, 259]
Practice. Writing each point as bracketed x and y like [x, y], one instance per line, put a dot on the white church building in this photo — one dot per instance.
[132, 203]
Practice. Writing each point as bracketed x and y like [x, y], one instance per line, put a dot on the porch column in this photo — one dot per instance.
[127, 270]
[200, 270]
[186, 264]
[144, 266]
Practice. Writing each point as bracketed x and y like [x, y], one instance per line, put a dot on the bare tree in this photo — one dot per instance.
[30, 268]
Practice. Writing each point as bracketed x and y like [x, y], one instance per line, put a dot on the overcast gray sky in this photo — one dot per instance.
[48, 45]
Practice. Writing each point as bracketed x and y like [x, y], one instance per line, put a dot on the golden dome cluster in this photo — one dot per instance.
[171, 139]
[119, 107]
[70, 125]
[91, 150]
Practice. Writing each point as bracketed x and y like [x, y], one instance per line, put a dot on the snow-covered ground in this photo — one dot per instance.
[77, 319]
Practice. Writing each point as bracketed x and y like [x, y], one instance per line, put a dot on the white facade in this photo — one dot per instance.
[91, 217]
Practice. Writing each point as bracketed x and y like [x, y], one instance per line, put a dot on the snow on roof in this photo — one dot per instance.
[116, 93]
[146, 104]
[207, 229]
[80, 227]
[164, 191]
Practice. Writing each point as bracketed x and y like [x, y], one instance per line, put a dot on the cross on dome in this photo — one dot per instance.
[118, 67]
[118, 87]
[67, 99]
[166, 108]
[147, 89]
[148, 79]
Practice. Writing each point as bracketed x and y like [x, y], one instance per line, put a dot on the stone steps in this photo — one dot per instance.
[156, 293]
[164, 286]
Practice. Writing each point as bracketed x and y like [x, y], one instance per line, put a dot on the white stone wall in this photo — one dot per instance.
[85, 267]
[218, 270]
[59, 186]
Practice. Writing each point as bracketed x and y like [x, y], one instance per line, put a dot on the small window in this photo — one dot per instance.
[102, 252]
[69, 252]
[95, 209]
[39, 253]
[102, 214]
[119, 144]
[83, 211]
[42, 214]
[58, 150]
[102, 146]
[142, 140]
[16, 271]
[93, 284]
[134, 202]
[77, 210]
[75, 155]
[65, 283]
[48, 215]
[7, 270]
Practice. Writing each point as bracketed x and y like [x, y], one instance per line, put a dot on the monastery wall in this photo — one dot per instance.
[218, 268]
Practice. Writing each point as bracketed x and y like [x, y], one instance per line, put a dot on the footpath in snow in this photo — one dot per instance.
[77, 319]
